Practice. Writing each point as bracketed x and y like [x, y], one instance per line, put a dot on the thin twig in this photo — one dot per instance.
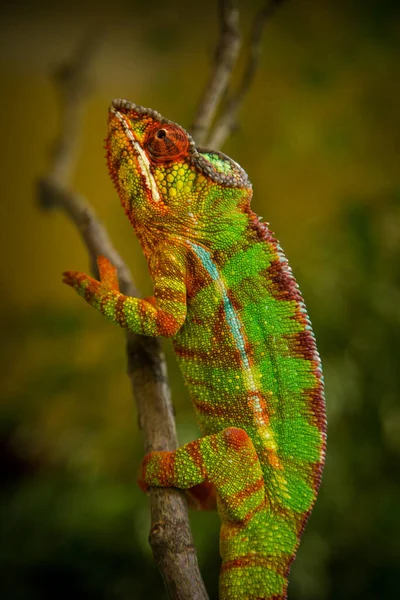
[226, 123]
[170, 535]
[225, 58]
[73, 83]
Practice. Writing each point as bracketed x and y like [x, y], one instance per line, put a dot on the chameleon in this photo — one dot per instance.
[226, 296]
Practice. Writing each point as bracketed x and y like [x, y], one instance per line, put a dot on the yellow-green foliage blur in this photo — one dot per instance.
[319, 136]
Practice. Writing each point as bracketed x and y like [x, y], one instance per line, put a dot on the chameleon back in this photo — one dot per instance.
[250, 361]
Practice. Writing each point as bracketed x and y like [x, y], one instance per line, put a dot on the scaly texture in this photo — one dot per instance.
[225, 294]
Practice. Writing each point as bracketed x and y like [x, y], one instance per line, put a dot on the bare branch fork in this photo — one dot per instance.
[226, 53]
[170, 535]
[216, 91]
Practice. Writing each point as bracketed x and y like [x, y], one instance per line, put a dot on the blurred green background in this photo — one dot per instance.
[319, 135]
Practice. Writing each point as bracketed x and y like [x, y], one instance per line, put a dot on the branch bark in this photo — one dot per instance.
[226, 53]
[226, 122]
[170, 535]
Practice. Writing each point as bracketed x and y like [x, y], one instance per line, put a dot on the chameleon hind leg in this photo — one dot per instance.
[226, 459]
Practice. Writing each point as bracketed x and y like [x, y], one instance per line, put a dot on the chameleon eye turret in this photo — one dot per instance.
[166, 144]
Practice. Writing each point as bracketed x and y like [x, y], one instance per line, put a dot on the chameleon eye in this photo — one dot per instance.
[161, 134]
[166, 144]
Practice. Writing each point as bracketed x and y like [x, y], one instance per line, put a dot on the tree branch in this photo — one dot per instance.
[226, 53]
[170, 535]
[226, 123]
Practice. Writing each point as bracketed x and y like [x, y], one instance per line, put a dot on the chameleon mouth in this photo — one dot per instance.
[142, 159]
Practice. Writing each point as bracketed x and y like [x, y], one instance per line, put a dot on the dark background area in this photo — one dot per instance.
[319, 136]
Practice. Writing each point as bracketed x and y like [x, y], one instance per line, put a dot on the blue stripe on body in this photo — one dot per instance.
[231, 317]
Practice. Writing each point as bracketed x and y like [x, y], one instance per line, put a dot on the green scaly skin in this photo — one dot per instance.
[224, 293]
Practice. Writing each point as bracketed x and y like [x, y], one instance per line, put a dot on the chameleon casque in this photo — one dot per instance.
[225, 294]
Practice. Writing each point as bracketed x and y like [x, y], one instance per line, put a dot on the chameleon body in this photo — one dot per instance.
[225, 294]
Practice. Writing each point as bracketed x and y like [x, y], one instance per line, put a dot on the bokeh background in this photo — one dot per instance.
[319, 134]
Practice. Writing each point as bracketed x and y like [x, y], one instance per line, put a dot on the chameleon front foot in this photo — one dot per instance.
[103, 294]
[90, 286]
[85, 286]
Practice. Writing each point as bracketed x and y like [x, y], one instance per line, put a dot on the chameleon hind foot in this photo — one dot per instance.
[227, 460]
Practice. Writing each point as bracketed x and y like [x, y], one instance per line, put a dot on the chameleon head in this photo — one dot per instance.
[161, 177]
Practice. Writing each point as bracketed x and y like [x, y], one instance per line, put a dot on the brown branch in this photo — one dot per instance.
[225, 58]
[170, 535]
[73, 84]
[226, 123]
